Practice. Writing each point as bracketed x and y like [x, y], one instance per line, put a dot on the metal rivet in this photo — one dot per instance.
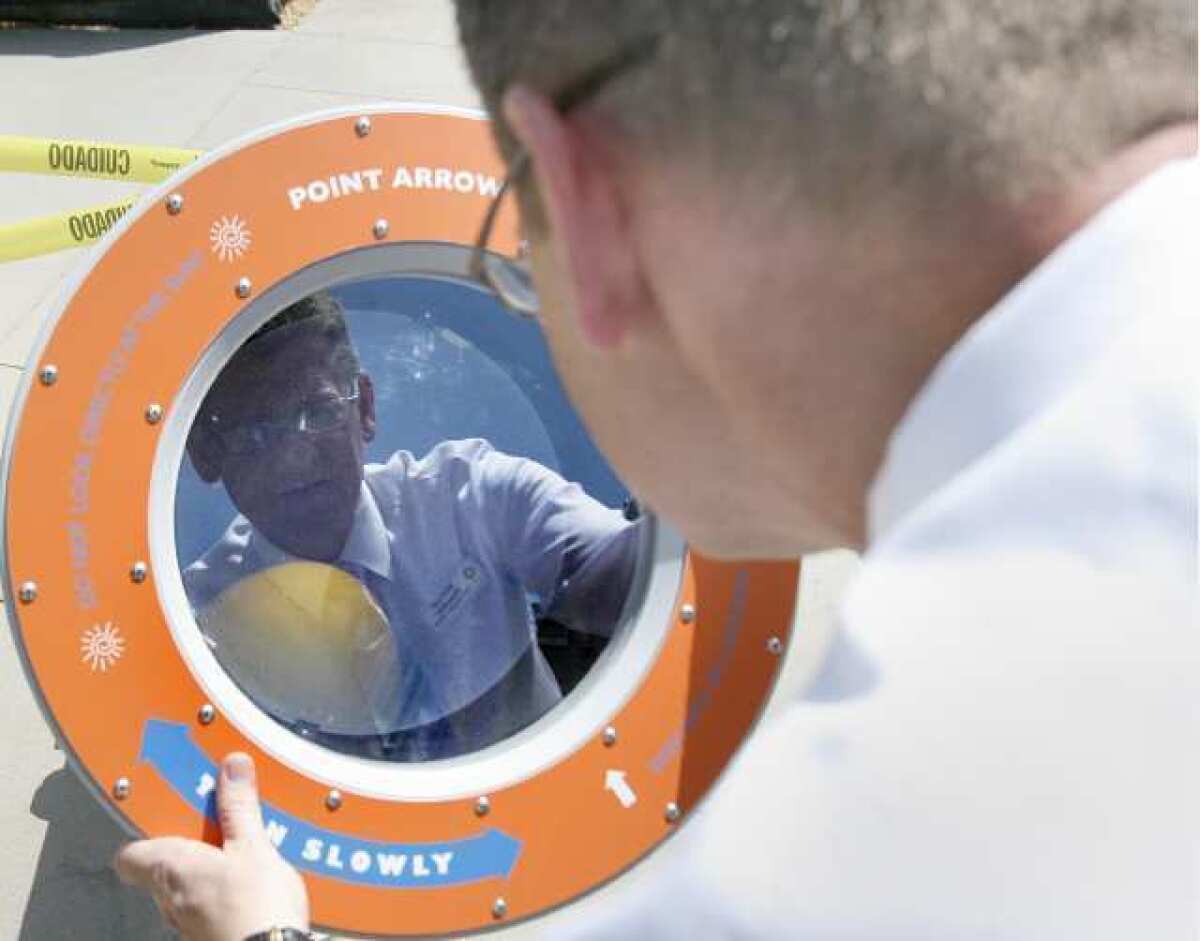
[206, 714]
[48, 375]
[137, 572]
[482, 806]
[154, 413]
[774, 645]
[121, 788]
[362, 127]
[610, 737]
[243, 287]
[333, 800]
[380, 228]
[174, 204]
[672, 813]
[27, 592]
[687, 614]
[499, 908]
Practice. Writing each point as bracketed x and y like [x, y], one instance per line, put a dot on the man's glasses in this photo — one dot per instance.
[311, 417]
[510, 278]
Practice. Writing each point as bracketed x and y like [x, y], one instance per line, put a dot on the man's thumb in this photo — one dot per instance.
[238, 810]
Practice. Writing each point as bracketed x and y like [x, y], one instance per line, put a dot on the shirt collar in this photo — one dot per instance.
[1030, 347]
[366, 545]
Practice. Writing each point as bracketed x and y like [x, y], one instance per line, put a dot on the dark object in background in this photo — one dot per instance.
[209, 14]
[569, 653]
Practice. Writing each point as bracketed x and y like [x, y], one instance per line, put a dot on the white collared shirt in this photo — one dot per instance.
[1003, 742]
[451, 545]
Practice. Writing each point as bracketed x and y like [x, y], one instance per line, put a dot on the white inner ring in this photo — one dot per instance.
[644, 624]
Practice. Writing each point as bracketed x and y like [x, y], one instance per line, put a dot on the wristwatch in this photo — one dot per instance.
[283, 934]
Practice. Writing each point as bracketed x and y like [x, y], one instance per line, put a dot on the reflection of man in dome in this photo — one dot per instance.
[450, 546]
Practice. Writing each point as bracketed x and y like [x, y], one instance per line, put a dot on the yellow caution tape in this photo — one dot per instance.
[53, 233]
[92, 159]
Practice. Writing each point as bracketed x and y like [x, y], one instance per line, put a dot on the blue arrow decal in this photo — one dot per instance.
[168, 747]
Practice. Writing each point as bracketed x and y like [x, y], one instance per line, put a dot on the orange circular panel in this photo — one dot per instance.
[94, 445]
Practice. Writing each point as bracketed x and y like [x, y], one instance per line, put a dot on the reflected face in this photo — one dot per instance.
[285, 428]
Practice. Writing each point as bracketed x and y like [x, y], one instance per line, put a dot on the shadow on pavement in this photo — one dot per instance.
[76, 895]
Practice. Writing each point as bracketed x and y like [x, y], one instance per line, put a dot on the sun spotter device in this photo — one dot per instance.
[283, 478]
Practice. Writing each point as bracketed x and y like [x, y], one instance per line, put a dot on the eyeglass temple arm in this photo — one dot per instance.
[518, 166]
[583, 88]
[591, 82]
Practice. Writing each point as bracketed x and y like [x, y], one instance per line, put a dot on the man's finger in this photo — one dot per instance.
[238, 809]
[166, 914]
[145, 862]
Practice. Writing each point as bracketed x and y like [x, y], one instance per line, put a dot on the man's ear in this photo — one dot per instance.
[206, 451]
[577, 184]
[366, 406]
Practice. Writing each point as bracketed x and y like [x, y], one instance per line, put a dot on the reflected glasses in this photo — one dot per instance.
[312, 417]
[510, 278]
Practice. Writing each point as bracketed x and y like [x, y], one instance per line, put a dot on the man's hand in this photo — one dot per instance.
[227, 894]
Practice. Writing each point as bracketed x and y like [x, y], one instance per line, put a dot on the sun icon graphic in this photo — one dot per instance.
[230, 237]
[102, 646]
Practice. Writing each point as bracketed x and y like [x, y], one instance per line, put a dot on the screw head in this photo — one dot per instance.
[206, 714]
[482, 807]
[138, 571]
[174, 204]
[154, 413]
[609, 737]
[687, 613]
[499, 908]
[672, 813]
[774, 646]
[242, 288]
[48, 374]
[362, 127]
[28, 592]
[121, 788]
[333, 800]
[380, 229]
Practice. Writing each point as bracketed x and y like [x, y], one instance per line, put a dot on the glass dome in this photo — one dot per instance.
[393, 532]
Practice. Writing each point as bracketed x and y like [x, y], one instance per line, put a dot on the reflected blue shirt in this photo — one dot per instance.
[451, 545]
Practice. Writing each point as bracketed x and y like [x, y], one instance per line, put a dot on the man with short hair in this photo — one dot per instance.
[916, 277]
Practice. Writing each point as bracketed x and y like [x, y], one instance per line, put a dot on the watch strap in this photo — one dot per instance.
[283, 934]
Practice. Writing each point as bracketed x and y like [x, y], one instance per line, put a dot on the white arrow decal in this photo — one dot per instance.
[615, 781]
